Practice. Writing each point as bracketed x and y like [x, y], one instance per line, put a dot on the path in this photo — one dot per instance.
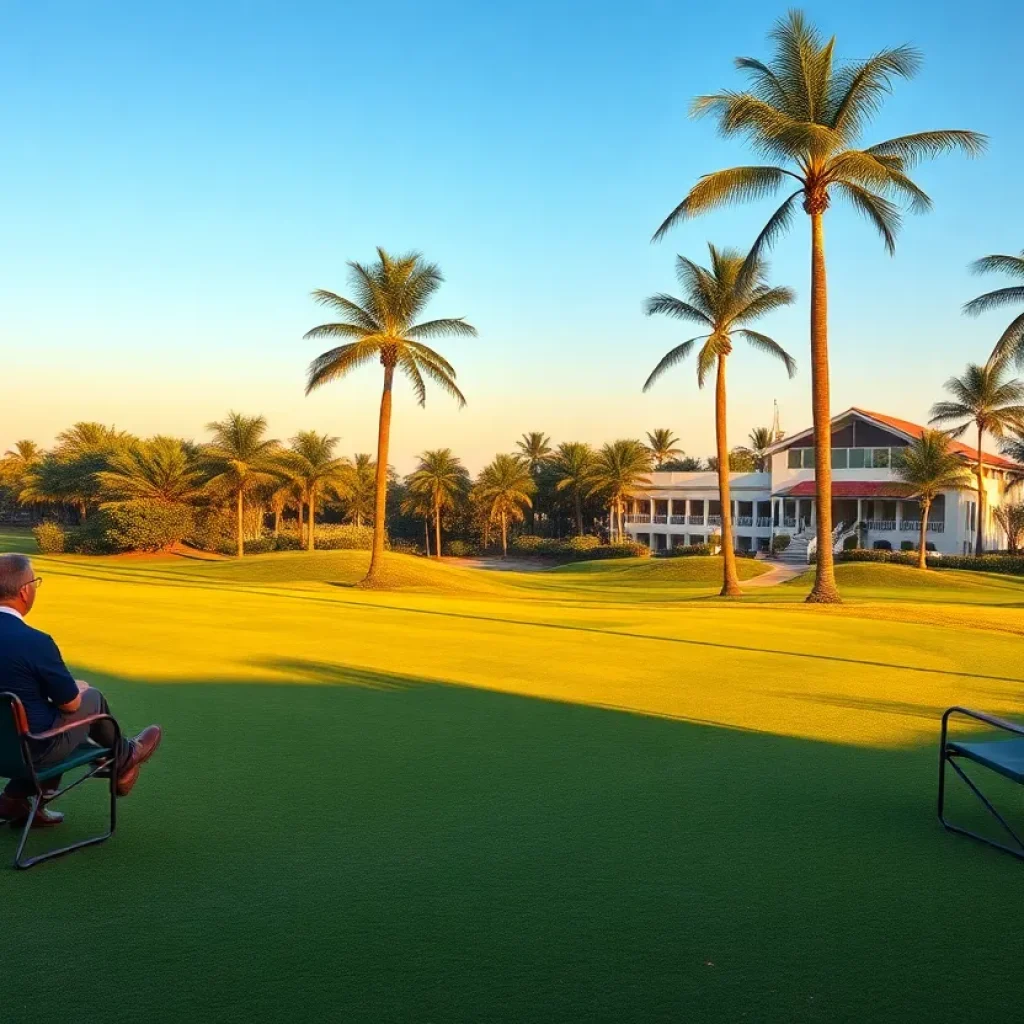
[778, 572]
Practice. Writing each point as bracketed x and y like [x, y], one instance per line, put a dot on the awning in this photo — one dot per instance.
[849, 489]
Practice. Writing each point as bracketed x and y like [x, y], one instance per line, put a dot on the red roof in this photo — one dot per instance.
[915, 431]
[851, 489]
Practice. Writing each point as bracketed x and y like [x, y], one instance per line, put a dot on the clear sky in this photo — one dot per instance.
[176, 178]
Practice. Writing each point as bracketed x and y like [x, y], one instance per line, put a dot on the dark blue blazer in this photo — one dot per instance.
[32, 669]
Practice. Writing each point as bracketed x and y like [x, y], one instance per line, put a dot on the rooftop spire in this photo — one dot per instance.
[777, 432]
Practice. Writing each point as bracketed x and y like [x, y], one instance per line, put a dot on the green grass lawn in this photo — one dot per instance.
[592, 794]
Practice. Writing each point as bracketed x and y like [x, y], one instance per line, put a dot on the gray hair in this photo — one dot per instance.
[15, 571]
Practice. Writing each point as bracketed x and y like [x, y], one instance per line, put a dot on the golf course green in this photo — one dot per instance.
[593, 793]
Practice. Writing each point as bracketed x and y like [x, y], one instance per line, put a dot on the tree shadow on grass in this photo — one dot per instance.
[374, 846]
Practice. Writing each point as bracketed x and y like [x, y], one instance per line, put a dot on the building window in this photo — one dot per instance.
[880, 458]
[808, 458]
[839, 458]
[795, 458]
[858, 458]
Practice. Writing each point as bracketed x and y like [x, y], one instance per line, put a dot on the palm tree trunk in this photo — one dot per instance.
[312, 519]
[824, 590]
[979, 541]
[579, 514]
[922, 558]
[277, 523]
[426, 534]
[239, 534]
[504, 535]
[437, 527]
[730, 581]
[381, 484]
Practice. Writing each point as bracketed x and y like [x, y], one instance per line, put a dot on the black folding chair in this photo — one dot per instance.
[1003, 756]
[16, 763]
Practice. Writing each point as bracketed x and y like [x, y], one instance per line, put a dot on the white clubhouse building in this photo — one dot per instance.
[868, 501]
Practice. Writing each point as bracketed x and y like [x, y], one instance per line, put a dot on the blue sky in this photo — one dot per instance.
[178, 177]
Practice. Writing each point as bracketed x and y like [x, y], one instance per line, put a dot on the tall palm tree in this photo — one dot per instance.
[241, 459]
[662, 444]
[380, 325]
[573, 464]
[803, 111]
[985, 399]
[929, 466]
[759, 440]
[505, 488]
[723, 299]
[360, 494]
[1011, 342]
[159, 469]
[312, 464]
[442, 479]
[18, 460]
[618, 469]
[535, 447]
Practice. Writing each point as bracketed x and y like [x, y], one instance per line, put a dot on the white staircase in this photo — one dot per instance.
[796, 553]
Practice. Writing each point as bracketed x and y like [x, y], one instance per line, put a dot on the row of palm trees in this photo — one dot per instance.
[804, 113]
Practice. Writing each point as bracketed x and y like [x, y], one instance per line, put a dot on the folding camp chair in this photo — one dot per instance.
[16, 763]
[1004, 756]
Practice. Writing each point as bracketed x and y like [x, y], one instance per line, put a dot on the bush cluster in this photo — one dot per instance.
[686, 551]
[460, 549]
[780, 542]
[51, 538]
[328, 537]
[143, 525]
[1012, 565]
[576, 548]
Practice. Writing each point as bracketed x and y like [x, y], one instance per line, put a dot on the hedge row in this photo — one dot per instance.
[1012, 565]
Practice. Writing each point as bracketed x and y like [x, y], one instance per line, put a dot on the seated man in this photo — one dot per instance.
[32, 668]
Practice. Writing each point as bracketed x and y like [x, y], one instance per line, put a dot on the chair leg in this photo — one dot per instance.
[36, 804]
[1017, 851]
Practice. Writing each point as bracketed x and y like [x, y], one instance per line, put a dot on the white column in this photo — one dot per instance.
[860, 509]
[899, 515]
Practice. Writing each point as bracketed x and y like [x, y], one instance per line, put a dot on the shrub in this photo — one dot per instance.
[213, 531]
[145, 525]
[460, 549]
[1012, 565]
[404, 547]
[260, 545]
[780, 542]
[287, 542]
[748, 553]
[329, 537]
[686, 551]
[850, 543]
[584, 542]
[51, 538]
[526, 544]
[624, 549]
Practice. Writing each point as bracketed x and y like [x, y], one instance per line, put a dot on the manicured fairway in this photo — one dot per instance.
[594, 794]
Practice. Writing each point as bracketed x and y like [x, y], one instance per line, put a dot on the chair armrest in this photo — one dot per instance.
[88, 720]
[980, 716]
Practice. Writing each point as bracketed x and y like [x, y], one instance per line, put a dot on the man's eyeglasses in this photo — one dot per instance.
[37, 582]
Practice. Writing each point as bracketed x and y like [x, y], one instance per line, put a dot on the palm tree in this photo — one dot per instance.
[312, 465]
[722, 299]
[442, 478]
[759, 440]
[802, 111]
[420, 505]
[619, 468]
[505, 487]
[241, 459]
[380, 326]
[159, 469]
[573, 464]
[985, 399]
[1011, 342]
[535, 447]
[360, 493]
[17, 461]
[1011, 519]
[662, 444]
[929, 466]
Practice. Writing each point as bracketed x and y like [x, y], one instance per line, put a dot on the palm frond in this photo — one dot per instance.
[766, 302]
[720, 188]
[408, 365]
[1011, 343]
[444, 328]
[778, 222]
[860, 89]
[884, 215]
[771, 347]
[354, 314]
[337, 362]
[707, 357]
[669, 305]
[670, 359]
[995, 299]
[912, 149]
[999, 263]
[442, 379]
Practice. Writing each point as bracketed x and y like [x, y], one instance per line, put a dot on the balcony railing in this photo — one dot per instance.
[881, 525]
[744, 520]
[789, 521]
[677, 520]
[714, 520]
[764, 521]
[695, 520]
[633, 517]
[660, 520]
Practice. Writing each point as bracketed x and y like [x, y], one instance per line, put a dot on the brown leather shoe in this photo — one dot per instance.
[143, 748]
[15, 811]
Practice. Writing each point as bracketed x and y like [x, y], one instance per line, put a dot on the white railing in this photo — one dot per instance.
[714, 520]
[677, 520]
[634, 517]
[764, 521]
[695, 520]
[936, 527]
[881, 525]
[789, 521]
[744, 520]
[660, 520]
[910, 525]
